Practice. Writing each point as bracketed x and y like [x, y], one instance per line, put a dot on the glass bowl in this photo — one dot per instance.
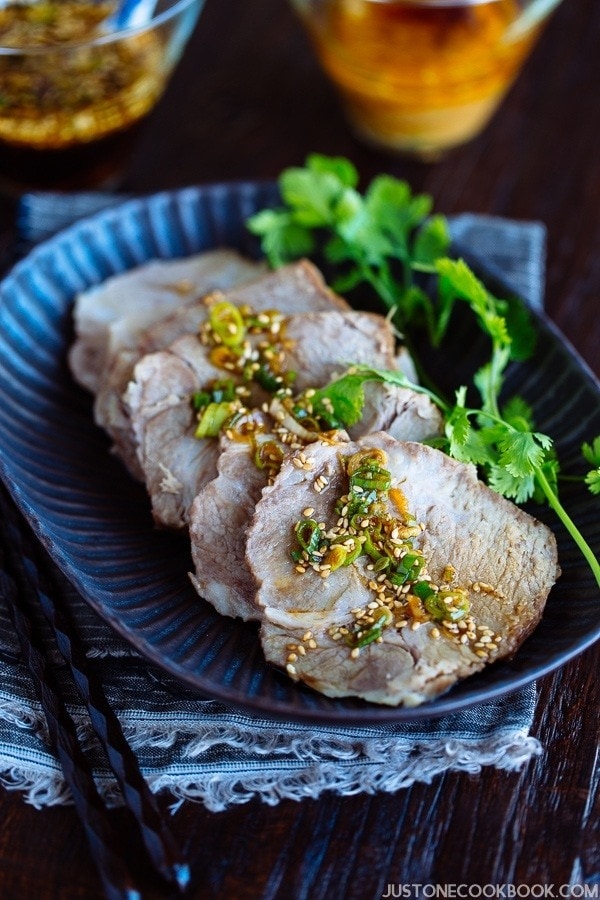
[422, 76]
[74, 89]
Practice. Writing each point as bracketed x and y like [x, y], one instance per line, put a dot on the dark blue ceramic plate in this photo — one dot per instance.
[95, 520]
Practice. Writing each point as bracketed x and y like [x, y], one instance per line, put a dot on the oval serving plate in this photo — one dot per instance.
[95, 520]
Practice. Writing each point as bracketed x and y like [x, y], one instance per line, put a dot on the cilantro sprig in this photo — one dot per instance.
[382, 237]
[388, 239]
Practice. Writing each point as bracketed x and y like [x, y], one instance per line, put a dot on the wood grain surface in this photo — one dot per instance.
[247, 100]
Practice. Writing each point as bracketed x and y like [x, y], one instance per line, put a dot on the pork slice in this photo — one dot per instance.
[325, 344]
[112, 315]
[223, 510]
[401, 412]
[158, 398]
[504, 559]
[296, 287]
[218, 520]
[174, 464]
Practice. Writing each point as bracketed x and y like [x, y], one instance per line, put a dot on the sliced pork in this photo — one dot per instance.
[293, 288]
[496, 555]
[163, 421]
[222, 511]
[113, 315]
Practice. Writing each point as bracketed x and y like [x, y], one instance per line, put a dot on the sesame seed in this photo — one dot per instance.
[312, 644]
[292, 657]
[290, 669]
[355, 653]
[300, 569]
[307, 635]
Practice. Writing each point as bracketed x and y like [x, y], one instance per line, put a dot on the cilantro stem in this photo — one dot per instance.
[563, 515]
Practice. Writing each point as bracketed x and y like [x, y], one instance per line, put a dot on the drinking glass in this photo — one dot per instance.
[422, 76]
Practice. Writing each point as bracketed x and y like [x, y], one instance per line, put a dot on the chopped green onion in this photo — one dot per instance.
[266, 378]
[308, 535]
[226, 321]
[200, 399]
[408, 569]
[371, 478]
[439, 609]
[268, 455]
[213, 418]
[383, 617]
[223, 390]
[354, 553]
[422, 589]
[336, 557]
[371, 549]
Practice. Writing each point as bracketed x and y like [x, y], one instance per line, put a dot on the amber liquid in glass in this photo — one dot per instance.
[418, 77]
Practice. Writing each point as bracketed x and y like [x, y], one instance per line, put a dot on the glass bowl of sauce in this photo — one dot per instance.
[74, 91]
[422, 76]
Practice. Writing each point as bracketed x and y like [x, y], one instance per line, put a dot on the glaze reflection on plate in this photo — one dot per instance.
[95, 520]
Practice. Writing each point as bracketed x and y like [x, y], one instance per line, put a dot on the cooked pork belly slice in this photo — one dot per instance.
[226, 505]
[112, 315]
[298, 287]
[503, 558]
[159, 397]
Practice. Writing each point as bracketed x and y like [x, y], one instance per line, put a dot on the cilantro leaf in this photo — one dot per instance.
[431, 242]
[522, 452]
[283, 239]
[518, 413]
[342, 168]
[592, 479]
[342, 401]
[591, 452]
[519, 488]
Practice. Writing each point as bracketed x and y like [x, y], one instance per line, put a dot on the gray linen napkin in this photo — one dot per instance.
[198, 749]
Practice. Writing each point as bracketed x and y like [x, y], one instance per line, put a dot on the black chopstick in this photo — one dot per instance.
[116, 879]
[160, 845]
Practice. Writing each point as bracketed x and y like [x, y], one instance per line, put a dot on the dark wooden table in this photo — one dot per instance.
[248, 100]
